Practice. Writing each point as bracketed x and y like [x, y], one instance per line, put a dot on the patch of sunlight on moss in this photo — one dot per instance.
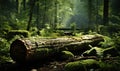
[82, 65]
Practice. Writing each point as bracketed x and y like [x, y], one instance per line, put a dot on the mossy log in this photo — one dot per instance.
[26, 49]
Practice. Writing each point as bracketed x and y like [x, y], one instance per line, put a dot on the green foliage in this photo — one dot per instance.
[46, 31]
[79, 34]
[110, 29]
[110, 65]
[4, 59]
[116, 40]
[108, 42]
[4, 46]
[91, 52]
[34, 31]
[73, 28]
[67, 55]
[4, 50]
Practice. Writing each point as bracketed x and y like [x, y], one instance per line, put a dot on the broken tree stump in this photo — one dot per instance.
[22, 50]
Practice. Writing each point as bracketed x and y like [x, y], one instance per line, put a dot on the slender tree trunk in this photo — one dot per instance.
[96, 20]
[90, 11]
[44, 16]
[24, 4]
[17, 5]
[55, 16]
[106, 12]
[31, 14]
[37, 19]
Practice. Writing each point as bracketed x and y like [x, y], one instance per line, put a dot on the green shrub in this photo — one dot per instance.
[110, 65]
[73, 28]
[110, 29]
[4, 46]
[116, 40]
[108, 42]
[46, 31]
[34, 31]
[4, 50]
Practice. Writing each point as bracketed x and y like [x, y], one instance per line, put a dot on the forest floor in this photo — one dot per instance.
[59, 65]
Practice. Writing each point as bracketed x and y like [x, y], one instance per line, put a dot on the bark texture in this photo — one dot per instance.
[22, 50]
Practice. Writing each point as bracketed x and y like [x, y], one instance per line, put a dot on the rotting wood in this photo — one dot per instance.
[22, 50]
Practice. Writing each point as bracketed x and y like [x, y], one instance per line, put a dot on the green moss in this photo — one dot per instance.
[109, 66]
[82, 65]
[43, 52]
[12, 33]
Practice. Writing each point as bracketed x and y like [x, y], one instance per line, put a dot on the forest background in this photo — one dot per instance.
[27, 18]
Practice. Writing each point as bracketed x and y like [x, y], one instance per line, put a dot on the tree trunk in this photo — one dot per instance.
[37, 19]
[24, 4]
[55, 15]
[90, 11]
[106, 12]
[31, 14]
[44, 14]
[17, 5]
[22, 50]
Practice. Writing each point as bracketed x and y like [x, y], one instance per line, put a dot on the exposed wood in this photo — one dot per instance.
[26, 49]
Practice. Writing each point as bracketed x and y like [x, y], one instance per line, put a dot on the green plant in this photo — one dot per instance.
[46, 31]
[116, 40]
[73, 28]
[34, 31]
[67, 55]
[108, 42]
[110, 65]
[4, 46]
[49, 32]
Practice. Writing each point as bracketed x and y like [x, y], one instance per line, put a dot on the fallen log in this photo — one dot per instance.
[27, 49]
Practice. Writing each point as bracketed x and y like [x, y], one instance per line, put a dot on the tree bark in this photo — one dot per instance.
[37, 19]
[90, 11]
[55, 16]
[31, 14]
[22, 50]
[17, 5]
[24, 4]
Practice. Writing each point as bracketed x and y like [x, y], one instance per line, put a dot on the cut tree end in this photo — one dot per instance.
[18, 51]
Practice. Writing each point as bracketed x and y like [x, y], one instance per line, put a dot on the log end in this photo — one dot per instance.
[18, 51]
